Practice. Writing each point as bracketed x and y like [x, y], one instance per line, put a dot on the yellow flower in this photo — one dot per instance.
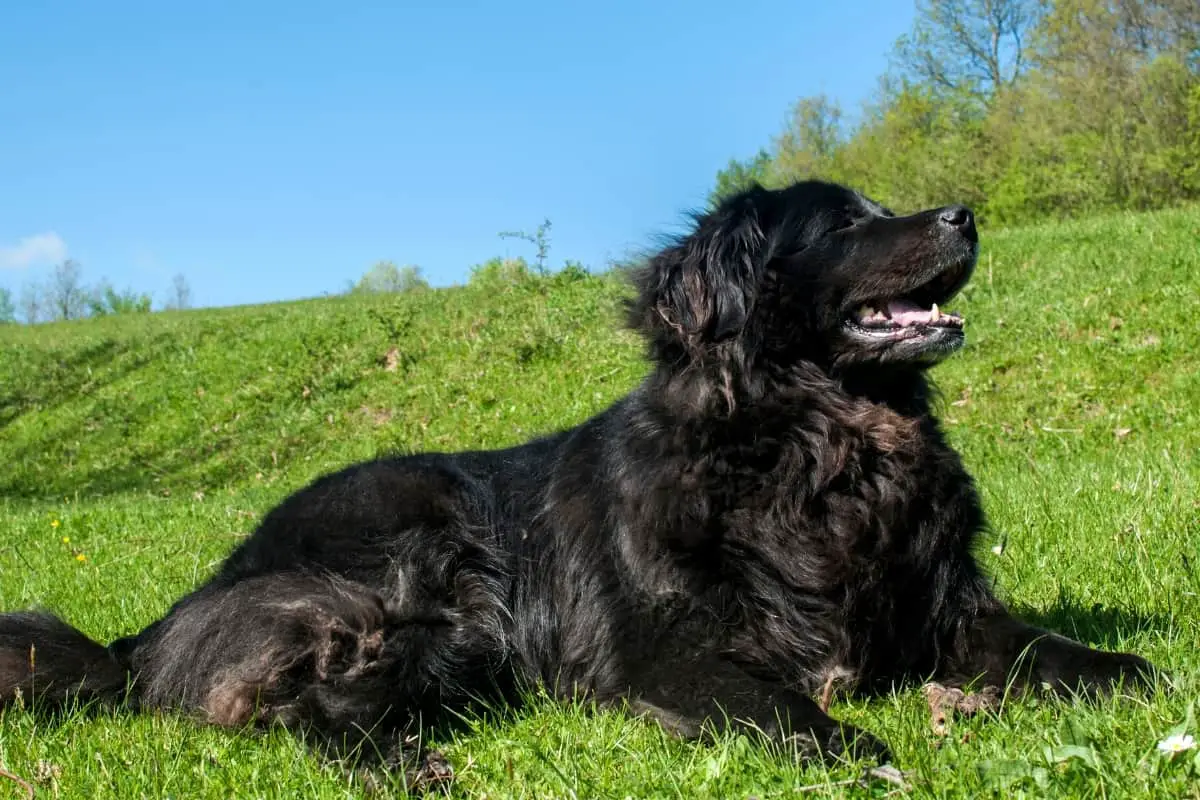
[66, 540]
[81, 558]
[53, 523]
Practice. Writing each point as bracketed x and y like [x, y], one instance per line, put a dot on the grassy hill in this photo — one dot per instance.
[198, 400]
[135, 451]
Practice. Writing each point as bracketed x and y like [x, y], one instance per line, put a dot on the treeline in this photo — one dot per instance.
[65, 295]
[1024, 109]
[497, 272]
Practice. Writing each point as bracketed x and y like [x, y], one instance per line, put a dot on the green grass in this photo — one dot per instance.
[136, 451]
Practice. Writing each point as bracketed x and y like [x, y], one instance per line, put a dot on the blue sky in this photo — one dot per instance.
[275, 150]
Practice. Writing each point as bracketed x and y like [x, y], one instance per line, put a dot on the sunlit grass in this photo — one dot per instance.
[136, 451]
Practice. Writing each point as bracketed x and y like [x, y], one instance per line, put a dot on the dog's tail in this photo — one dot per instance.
[46, 662]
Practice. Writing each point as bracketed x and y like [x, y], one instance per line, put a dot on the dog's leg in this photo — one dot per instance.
[698, 697]
[350, 669]
[1001, 650]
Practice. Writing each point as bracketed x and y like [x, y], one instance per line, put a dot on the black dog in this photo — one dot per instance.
[772, 507]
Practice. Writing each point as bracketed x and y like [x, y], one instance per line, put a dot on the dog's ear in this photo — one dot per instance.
[703, 288]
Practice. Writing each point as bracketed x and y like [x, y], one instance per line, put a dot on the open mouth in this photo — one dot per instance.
[884, 316]
[913, 313]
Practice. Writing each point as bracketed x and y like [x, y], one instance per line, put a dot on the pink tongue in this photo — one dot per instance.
[905, 312]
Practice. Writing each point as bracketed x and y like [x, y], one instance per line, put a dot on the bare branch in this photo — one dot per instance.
[977, 46]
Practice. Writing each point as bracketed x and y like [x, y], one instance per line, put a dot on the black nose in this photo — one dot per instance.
[958, 217]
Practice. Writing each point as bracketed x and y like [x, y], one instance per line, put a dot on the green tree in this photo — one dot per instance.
[65, 296]
[740, 175]
[922, 150]
[1022, 108]
[809, 145]
[8, 312]
[977, 47]
[104, 301]
[500, 272]
[32, 303]
[1106, 113]
[385, 277]
[181, 293]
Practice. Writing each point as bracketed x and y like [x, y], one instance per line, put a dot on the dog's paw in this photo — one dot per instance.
[434, 771]
[839, 743]
[1134, 672]
[405, 767]
[1101, 673]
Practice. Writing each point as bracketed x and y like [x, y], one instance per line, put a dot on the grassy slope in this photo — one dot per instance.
[137, 450]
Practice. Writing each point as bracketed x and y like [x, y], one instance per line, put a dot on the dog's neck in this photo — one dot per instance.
[707, 391]
[904, 389]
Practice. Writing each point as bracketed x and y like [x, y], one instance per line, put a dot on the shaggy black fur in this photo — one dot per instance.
[773, 507]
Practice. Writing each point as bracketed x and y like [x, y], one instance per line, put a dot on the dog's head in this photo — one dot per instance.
[814, 272]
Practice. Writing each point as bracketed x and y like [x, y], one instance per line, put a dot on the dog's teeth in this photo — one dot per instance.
[866, 311]
[934, 313]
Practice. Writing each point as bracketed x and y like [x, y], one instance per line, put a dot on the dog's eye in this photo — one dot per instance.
[839, 225]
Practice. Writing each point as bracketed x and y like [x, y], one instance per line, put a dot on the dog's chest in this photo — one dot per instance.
[847, 510]
[848, 484]
[841, 544]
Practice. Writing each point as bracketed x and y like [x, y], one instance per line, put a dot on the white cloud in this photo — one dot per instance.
[37, 250]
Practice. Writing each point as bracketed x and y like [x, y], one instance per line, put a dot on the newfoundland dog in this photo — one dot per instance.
[773, 507]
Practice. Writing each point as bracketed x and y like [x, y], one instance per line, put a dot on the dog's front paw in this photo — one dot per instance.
[836, 742]
[1097, 673]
